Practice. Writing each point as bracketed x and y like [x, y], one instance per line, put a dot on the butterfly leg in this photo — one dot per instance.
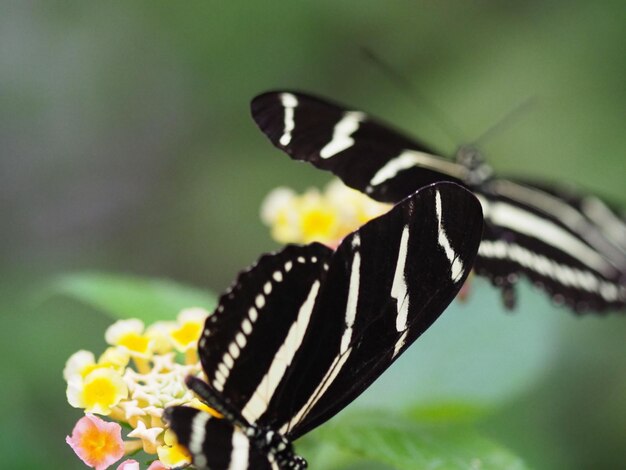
[509, 296]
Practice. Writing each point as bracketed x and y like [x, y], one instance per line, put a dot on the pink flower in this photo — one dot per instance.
[98, 443]
[128, 465]
[157, 465]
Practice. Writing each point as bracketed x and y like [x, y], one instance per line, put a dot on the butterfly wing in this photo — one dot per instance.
[370, 157]
[365, 154]
[386, 284]
[325, 325]
[593, 215]
[243, 337]
[239, 342]
[570, 245]
[215, 443]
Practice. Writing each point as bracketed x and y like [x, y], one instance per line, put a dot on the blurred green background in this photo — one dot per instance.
[126, 145]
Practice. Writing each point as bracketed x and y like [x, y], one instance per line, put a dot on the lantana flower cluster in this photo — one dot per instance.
[323, 216]
[141, 373]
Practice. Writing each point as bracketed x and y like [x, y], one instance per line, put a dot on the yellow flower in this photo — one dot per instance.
[190, 324]
[98, 392]
[279, 212]
[128, 334]
[172, 454]
[115, 358]
[79, 364]
[314, 216]
[355, 207]
[318, 219]
[159, 334]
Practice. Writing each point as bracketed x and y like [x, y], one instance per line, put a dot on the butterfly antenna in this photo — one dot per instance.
[215, 400]
[506, 121]
[422, 102]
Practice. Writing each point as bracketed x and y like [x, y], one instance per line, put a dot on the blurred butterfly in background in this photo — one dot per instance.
[570, 245]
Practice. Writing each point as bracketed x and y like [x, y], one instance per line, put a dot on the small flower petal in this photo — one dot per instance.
[172, 454]
[278, 210]
[149, 436]
[191, 322]
[128, 465]
[131, 410]
[163, 362]
[275, 203]
[78, 363]
[74, 391]
[122, 327]
[159, 334]
[114, 357]
[318, 222]
[192, 315]
[157, 465]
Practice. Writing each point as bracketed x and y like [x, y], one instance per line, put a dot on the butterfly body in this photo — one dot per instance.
[573, 246]
[478, 171]
[250, 446]
[231, 446]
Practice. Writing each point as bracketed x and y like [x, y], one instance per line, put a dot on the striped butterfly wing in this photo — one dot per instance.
[242, 339]
[386, 284]
[306, 330]
[365, 154]
[215, 443]
[564, 243]
[593, 215]
[388, 167]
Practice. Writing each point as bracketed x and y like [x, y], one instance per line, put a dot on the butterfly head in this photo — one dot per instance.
[471, 158]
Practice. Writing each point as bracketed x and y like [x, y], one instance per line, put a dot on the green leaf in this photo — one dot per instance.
[448, 412]
[406, 445]
[125, 296]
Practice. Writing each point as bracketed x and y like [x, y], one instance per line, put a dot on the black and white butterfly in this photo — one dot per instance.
[572, 246]
[304, 331]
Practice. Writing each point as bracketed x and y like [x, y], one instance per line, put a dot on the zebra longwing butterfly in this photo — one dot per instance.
[304, 331]
[573, 246]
